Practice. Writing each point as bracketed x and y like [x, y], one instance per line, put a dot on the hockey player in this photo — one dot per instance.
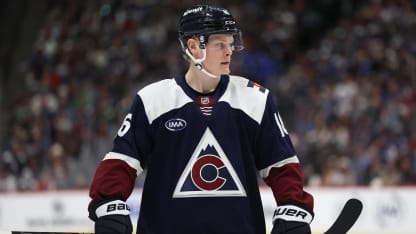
[204, 139]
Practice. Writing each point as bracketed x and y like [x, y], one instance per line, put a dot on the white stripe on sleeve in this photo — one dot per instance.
[132, 162]
[265, 172]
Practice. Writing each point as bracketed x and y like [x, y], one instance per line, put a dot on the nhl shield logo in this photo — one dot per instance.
[208, 173]
[205, 100]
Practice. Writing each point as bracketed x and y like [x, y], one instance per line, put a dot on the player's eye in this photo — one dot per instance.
[222, 46]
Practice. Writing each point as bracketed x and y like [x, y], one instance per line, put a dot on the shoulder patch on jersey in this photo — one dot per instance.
[253, 84]
[244, 95]
[209, 173]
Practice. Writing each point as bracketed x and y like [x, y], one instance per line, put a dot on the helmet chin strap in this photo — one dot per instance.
[198, 62]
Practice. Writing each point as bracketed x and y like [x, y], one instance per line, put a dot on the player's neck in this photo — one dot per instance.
[200, 82]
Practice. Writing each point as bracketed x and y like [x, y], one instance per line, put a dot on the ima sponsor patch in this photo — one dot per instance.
[208, 172]
[175, 124]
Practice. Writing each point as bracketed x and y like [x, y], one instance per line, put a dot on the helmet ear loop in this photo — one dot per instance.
[198, 62]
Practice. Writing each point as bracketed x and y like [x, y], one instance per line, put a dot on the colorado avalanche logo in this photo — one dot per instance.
[205, 173]
[208, 173]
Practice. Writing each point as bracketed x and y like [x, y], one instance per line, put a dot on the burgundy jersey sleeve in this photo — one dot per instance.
[279, 165]
[114, 179]
[286, 183]
[116, 174]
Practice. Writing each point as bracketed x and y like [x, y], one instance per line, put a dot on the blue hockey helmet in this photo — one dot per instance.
[203, 20]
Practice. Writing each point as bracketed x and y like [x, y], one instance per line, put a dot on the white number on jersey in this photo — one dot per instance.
[125, 126]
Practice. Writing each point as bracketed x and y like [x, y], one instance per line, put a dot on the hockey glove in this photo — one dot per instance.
[112, 217]
[113, 224]
[289, 219]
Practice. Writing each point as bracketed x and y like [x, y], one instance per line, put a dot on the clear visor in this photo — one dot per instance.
[238, 44]
[238, 41]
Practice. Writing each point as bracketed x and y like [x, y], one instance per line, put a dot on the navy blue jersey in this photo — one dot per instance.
[203, 155]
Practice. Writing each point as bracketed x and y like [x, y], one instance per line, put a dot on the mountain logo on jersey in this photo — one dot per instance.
[209, 173]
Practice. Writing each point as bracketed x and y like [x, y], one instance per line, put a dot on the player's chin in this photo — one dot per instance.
[224, 71]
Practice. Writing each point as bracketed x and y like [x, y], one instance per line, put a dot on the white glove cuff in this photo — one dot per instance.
[292, 213]
[116, 207]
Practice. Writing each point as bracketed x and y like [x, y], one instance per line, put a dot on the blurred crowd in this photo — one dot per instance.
[353, 99]
[348, 100]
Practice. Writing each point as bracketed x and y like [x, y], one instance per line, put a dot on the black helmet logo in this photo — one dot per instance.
[204, 20]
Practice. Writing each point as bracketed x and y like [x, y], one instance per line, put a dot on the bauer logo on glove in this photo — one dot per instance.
[113, 207]
[292, 213]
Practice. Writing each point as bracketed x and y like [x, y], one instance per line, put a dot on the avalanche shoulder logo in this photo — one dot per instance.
[253, 84]
[209, 173]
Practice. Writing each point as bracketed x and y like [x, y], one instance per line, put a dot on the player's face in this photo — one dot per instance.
[219, 51]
